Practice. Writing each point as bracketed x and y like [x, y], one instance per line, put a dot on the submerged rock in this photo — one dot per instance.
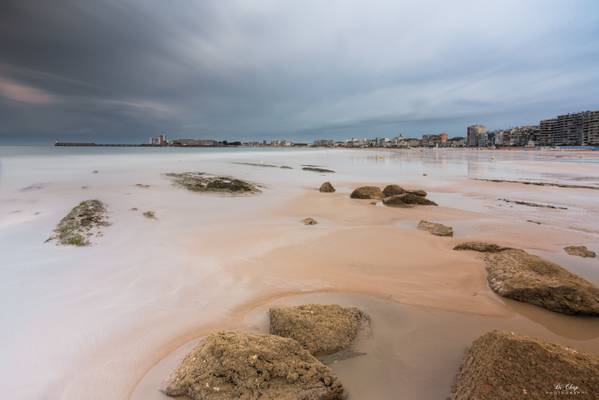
[320, 328]
[580, 251]
[82, 222]
[366, 192]
[237, 365]
[309, 221]
[407, 200]
[506, 366]
[392, 190]
[327, 187]
[319, 169]
[201, 182]
[435, 228]
[515, 274]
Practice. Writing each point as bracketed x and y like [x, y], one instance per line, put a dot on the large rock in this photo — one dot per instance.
[505, 366]
[407, 200]
[393, 190]
[435, 228]
[237, 365]
[321, 329]
[327, 187]
[366, 192]
[80, 224]
[201, 182]
[515, 274]
[420, 193]
[580, 251]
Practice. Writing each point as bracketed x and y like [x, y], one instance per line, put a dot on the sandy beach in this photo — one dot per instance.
[112, 320]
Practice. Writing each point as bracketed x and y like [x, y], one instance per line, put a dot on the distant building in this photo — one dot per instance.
[159, 141]
[324, 143]
[474, 134]
[443, 137]
[578, 129]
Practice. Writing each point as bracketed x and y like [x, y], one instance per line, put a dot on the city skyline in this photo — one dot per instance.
[119, 72]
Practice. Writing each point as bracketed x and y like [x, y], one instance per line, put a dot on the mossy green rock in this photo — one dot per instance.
[83, 222]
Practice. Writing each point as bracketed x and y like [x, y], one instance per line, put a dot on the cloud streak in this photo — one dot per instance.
[121, 71]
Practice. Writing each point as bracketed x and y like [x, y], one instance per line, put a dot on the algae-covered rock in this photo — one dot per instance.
[506, 366]
[435, 228]
[81, 223]
[482, 247]
[393, 190]
[237, 365]
[515, 274]
[320, 328]
[201, 182]
[366, 192]
[580, 251]
[407, 200]
[327, 187]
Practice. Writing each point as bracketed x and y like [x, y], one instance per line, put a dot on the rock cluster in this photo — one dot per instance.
[201, 182]
[321, 329]
[506, 366]
[82, 222]
[580, 251]
[393, 196]
[435, 228]
[238, 365]
[327, 187]
[518, 275]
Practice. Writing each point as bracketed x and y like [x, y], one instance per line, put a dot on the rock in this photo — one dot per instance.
[318, 169]
[133, 209]
[482, 247]
[420, 193]
[407, 200]
[366, 192]
[149, 214]
[309, 221]
[435, 228]
[142, 185]
[83, 221]
[392, 190]
[285, 167]
[327, 187]
[373, 203]
[506, 366]
[580, 251]
[515, 274]
[320, 328]
[237, 365]
[201, 182]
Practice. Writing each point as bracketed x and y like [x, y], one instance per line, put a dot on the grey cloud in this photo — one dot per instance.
[109, 70]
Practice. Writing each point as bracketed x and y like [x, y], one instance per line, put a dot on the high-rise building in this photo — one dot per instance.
[579, 129]
[474, 134]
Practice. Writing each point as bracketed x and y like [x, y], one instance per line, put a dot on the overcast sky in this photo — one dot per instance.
[113, 70]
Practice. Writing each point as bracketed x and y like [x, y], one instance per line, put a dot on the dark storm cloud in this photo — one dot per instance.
[123, 70]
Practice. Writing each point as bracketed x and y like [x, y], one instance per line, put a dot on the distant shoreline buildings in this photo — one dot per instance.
[576, 129]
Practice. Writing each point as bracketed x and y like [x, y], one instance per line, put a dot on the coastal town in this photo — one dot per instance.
[575, 130]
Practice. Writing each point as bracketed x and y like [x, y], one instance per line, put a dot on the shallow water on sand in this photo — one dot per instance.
[89, 322]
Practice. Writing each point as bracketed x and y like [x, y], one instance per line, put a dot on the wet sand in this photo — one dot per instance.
[427, 302]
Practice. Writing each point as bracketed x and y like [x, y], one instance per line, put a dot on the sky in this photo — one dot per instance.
[122, 71]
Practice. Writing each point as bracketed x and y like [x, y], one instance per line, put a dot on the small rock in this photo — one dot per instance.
[435, 228]
[482, 247]
[392, 190]
[319, 328]
[327, 187]
[309, 221]
[366, 192]
[580, 251]
[149, 214]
